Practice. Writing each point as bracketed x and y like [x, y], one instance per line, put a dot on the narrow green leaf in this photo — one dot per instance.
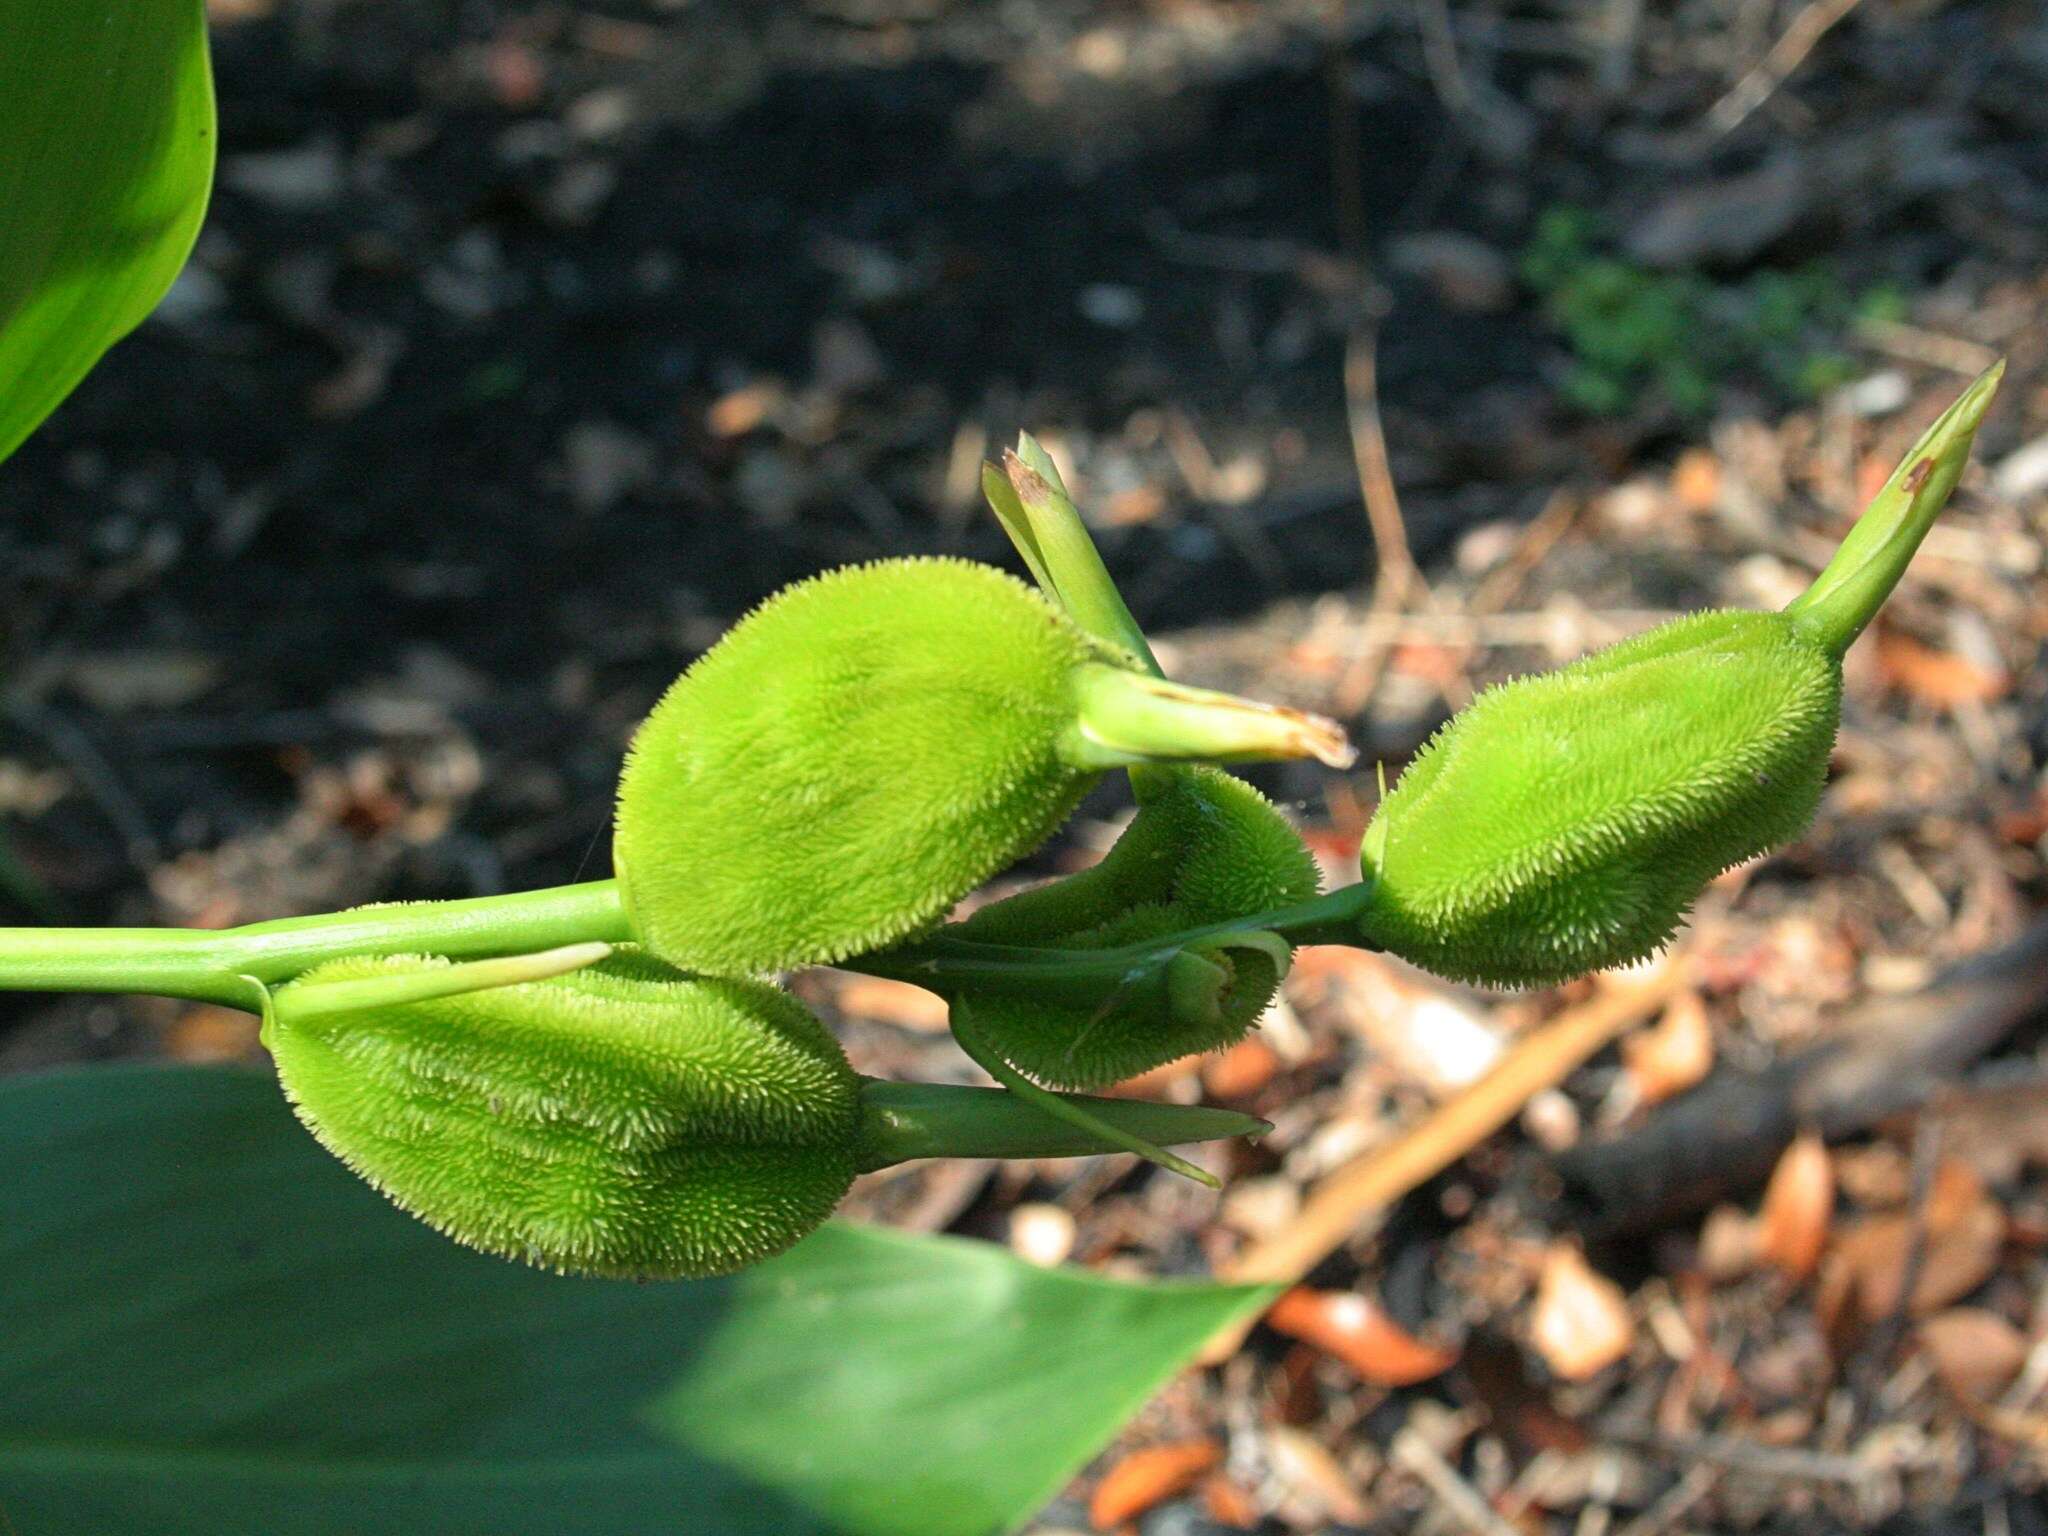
[212, 1330]
[106, 159]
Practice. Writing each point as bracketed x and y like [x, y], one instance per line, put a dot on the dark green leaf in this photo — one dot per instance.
[211, 1328]
[106, 158]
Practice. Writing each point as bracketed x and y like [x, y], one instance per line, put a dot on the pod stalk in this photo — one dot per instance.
[1108, 1135]
[902, 1122]
[1125, 718]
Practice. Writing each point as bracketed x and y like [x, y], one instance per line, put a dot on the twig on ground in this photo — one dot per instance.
[1677, 1501]
[1776, 66]
[1459, 1500]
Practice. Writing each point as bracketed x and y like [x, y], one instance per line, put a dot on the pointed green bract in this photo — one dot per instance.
[870, 745]
[1564, 823]
[1846, 596]
[621, 1120]
[1204, 848]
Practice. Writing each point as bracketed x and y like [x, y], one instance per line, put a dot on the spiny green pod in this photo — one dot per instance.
[1566, 822]
[870, 745]
[620, 1120]
[1205, 848]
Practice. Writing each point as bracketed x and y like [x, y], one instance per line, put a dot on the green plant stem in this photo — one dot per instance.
[1101, 1133]
[905, 1121]
[1332, 918]
[233, 965]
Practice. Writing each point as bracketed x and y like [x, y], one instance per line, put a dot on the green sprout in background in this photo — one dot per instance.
[1681, 338]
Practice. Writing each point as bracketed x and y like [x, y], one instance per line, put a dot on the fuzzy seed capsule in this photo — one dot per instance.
[1564, 823]
[868, 746]
[621, 1120]
[1204, 848]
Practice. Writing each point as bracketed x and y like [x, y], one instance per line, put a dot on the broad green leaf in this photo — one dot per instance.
[208, 1327]
[106, 159]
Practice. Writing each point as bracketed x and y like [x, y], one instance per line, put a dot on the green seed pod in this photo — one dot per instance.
[1564, 823]
[1205, 848]
[870, 745]
[621, 1120]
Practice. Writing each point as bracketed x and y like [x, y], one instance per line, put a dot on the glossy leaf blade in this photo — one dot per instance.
[212, 1328]
[106, 160]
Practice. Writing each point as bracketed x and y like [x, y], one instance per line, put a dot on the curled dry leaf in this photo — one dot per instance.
[1580, 1322]
[1357, 1330]
[1675, 1054]
[1973, 1352]
[1151, 1476]
[1799, 1204]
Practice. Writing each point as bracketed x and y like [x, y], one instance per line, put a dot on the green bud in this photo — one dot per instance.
[1566, 823]
[621, 1120]
[868, 746]
[1204, 848]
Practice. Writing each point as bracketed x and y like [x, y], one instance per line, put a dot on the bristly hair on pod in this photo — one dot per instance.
[621, 1120]
[1204, 848]
[1565, 822]
[854, 756]
[868, 746]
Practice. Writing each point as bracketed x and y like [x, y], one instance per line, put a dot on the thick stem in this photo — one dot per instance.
[983, 1052]
[905, 1121]
[219, 965]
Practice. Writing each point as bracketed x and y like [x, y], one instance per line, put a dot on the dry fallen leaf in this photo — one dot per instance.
[1579, 1323]
[890, 1002]
[1228, 1504]
[1427, 1032]
[1148, 1477]
[1357, 1330]
[1316, 1486]
[207, 1033]
[1729, 1239]
[1696, 480]
[1799, 1205]
[1964, 1233]
[1675, 1054]
[1240, 1071]
[1973, 1352]
[1943, 679]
